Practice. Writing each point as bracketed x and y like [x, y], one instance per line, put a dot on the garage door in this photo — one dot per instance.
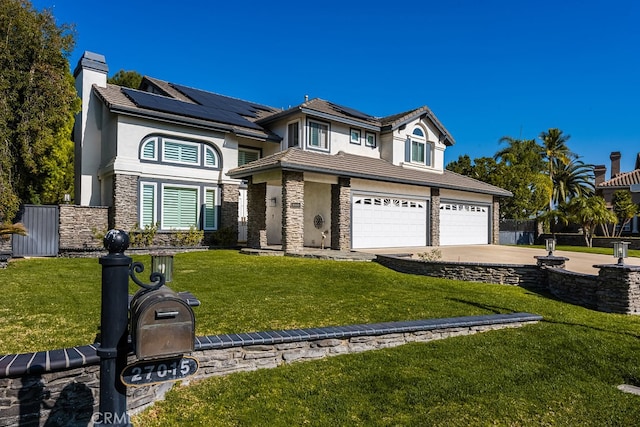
[464, 224]
[380, 221]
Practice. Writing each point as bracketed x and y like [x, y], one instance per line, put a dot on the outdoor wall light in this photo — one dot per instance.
[550, 245]
[620, 251]
[273, 202]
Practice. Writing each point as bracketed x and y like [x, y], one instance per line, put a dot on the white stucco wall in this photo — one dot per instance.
[465, 196]
[375, 187]
[88, 138]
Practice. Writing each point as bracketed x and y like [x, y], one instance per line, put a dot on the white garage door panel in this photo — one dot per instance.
[379, 222]
[464, 224]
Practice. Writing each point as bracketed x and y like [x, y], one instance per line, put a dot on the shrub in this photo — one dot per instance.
[432, 255]
[191, 237]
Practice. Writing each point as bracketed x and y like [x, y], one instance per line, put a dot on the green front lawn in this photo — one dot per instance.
[562, 371]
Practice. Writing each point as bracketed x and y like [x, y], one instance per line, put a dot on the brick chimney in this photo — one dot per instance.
[600, 172]
[615, 163]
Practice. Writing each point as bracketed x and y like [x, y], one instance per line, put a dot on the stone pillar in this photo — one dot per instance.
[434, 226]
[551, 261]
[495, 222]
[124, 207]
[256, 215]
[341, 215]
[619, 289]
[229, 195]
[292, 211]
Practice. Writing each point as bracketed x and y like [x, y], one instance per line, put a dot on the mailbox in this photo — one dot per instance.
[162, 324]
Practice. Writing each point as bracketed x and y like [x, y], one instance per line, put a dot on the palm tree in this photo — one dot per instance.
[555, 152]
[589, 212]
[571, 179]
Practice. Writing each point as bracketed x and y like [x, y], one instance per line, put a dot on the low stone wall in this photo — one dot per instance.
[574, 288]
[61, 387]
[527, 276]
[616, 288]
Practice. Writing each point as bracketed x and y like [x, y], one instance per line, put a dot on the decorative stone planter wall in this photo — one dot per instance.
[61, 387]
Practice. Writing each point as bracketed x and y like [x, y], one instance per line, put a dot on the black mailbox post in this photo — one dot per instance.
[114, 345]
[162, 331]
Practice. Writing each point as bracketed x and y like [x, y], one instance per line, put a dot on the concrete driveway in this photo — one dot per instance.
[578, 262]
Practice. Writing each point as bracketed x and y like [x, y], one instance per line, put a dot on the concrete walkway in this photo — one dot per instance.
[578, 262]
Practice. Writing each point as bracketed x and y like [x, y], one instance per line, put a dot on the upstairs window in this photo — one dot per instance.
[180, 152]
[149, 151]
[247, 155]
[293, 135]
[318, 135]
[419, 150]
[210, 157]
[183, 153]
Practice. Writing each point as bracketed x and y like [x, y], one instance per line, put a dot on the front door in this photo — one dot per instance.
[242, 215]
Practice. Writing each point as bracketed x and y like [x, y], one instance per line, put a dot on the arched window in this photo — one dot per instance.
[420, 151]
[148, 150]
[210, 157]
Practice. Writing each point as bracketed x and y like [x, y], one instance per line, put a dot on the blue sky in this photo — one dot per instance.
[487, 68]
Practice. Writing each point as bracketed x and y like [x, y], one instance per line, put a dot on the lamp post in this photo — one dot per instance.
[550, 245]
[620, 251]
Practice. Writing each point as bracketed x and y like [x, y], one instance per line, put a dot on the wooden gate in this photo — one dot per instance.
[42, 224]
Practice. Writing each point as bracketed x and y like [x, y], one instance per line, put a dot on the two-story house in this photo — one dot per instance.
[318, 174]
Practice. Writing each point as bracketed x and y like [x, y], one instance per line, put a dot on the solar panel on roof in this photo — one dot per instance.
[351, 112]
[169, 105]
[238, 106]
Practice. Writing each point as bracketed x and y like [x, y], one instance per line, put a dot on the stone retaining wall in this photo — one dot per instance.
[527, 276]
[574, 288]
[61, 387]
[616, 289]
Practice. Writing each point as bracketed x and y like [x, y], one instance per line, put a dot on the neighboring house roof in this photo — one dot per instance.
[623, 180]
[343, 164]
[175, 106]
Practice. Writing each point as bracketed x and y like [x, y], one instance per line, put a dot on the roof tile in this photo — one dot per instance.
[364, 167]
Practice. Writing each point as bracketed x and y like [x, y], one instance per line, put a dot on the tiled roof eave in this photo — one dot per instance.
[292, 166]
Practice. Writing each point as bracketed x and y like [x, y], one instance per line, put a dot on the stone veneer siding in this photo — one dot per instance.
[230, 194]
[495, 224]
[341, 215]
[292, 211]
[435, 218]
[77, 225]
[124, 210]
[61, 387]
[256, 215]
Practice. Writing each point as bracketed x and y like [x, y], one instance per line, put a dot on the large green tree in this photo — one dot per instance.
[124, 78]
[38, 102]
[623, 208]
